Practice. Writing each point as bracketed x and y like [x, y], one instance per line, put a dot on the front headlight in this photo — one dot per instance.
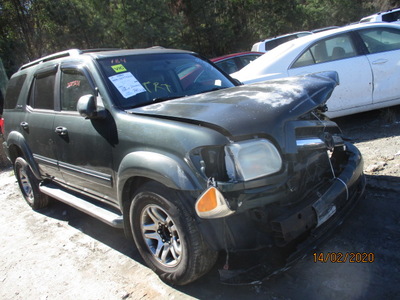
[252, 159]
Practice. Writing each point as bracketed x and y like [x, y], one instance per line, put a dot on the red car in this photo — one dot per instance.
[234, 62]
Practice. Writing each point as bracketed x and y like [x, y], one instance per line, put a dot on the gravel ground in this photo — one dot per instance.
[61, 253]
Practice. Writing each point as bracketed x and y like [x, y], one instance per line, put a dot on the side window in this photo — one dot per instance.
[247, 59]
[304, 60]
[74, 85]
[228, 66]
[381, 39]
[42, 93]
[391, 17]
[338, 47]
[14, 88]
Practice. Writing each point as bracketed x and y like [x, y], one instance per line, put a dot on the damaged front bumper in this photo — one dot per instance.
[341, 195]
[252, 227]
[281, 241]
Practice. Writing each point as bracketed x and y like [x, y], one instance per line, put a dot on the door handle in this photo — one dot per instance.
[24, 125]
[379, 61]
[61, 130]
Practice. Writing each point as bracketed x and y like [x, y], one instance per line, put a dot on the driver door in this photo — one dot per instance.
[84, 146]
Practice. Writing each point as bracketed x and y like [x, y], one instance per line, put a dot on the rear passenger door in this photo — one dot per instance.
[339, 53]
[84, 146]
[37, 123]
[383, 45]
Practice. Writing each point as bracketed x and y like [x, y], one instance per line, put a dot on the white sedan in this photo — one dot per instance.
[366, 57]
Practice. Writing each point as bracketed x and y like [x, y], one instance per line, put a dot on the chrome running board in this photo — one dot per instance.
[111, 218]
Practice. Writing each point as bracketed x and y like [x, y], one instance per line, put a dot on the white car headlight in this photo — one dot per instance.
[252, 159]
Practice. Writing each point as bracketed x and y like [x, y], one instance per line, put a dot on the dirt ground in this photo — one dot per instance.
[61, 253]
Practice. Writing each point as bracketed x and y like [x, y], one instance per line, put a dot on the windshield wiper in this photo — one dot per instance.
[213, 89]
[161, 99]
[154, 100]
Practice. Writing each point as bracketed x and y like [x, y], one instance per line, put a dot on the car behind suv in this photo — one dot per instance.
[391, 16]
[232, 63]
[162, 144]
[271, 43]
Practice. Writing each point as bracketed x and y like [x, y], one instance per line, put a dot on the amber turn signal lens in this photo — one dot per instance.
[208, 201]
[211, 204]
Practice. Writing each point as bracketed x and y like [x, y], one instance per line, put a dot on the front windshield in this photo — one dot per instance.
[138, 80]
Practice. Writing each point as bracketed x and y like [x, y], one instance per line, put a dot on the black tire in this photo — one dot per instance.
[170, 244]
[29, 185]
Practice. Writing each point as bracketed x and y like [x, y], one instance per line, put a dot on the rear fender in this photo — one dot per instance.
[16, 139]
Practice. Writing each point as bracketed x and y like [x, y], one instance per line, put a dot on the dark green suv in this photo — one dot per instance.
[162, 144]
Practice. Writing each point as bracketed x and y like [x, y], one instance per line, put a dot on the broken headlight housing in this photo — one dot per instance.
[239, 161]
[252, 159]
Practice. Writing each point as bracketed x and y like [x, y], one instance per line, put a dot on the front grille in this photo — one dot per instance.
[310, 169]
[313, 163]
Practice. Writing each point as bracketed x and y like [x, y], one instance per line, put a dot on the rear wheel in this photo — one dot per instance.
[167, 237]
[29, 185]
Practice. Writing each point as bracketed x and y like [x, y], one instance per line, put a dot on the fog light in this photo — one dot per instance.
[211, 204]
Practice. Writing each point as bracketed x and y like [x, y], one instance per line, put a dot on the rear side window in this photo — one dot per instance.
[14, 89]
[381, 39]
[42, 92]
[245, 60]
[334, 48]
[228, 66]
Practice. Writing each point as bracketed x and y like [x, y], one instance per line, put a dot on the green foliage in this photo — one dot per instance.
[33, 28]
[323, 13]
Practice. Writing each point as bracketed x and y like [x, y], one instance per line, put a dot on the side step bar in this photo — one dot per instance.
[111, 218]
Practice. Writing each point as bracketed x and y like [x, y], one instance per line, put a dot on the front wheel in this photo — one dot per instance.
[29, 185]
[167, 237]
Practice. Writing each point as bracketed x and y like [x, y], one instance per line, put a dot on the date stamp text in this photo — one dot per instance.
[343, 257]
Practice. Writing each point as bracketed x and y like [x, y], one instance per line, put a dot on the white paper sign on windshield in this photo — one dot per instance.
[127, 84]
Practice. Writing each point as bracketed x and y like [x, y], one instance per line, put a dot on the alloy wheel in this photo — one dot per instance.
[161, 235]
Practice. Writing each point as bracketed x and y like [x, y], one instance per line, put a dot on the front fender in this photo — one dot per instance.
[169, 171]
[16, 139]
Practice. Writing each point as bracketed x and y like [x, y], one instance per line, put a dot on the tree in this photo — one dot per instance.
[32, 28]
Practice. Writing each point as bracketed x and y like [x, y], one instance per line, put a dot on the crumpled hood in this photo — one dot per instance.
[249, 109]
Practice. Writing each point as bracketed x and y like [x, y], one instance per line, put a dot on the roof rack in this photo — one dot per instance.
[99, 49]
[71, 52]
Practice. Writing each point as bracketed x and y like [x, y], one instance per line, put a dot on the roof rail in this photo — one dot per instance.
[99, 49]
[71, 52]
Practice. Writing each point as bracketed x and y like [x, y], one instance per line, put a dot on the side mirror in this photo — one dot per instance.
[87, 108]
